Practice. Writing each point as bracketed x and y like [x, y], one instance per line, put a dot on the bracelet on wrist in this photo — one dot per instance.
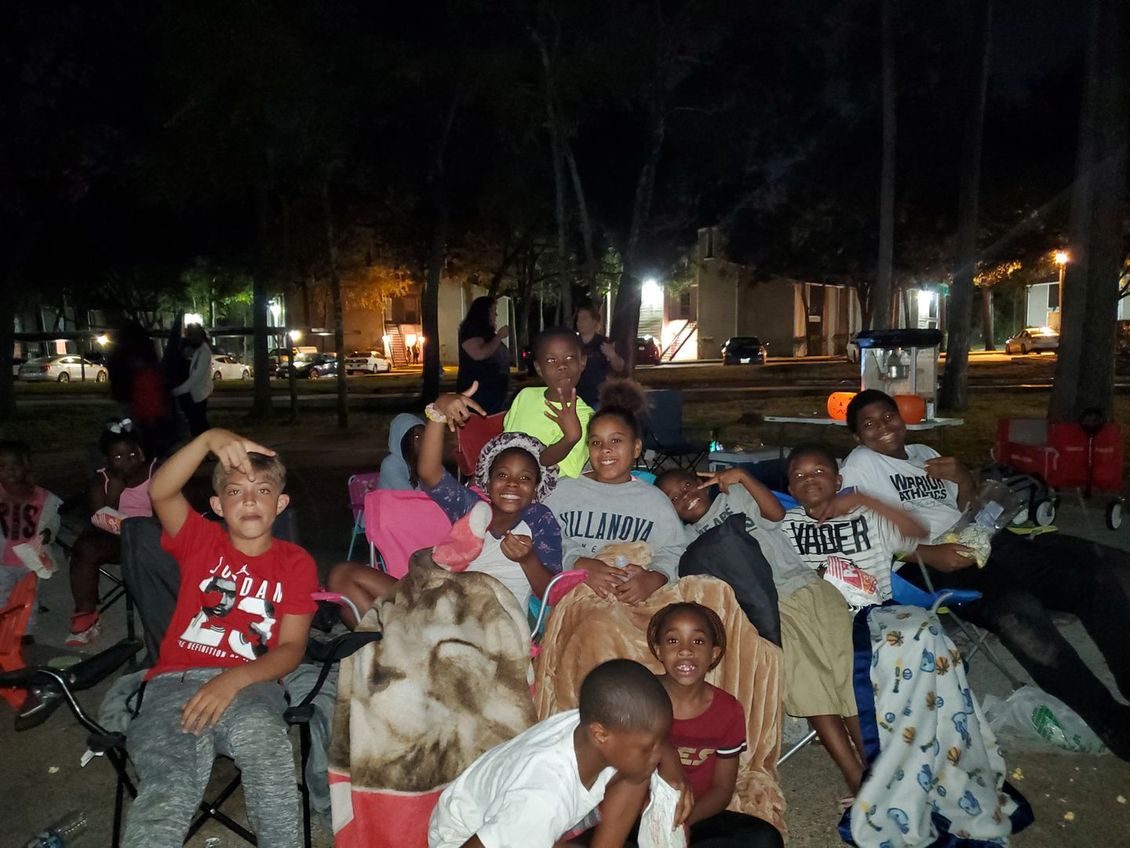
[432, 413]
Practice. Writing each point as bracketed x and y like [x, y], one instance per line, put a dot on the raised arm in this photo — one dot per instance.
[767, 503]
[165, 487]
[948, 468]
[480, 348]
[450, 410]
[565, 418]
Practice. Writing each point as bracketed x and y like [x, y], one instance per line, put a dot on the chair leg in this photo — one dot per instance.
[358, 530]
[211, 810]
[797, 748]
[303, 789]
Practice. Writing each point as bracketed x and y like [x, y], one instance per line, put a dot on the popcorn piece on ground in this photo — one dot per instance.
[1069, 816]
[1121, 799]
[1017, 774]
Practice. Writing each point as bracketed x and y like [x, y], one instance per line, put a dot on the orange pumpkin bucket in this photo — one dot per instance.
[912, 408]
[838, 404]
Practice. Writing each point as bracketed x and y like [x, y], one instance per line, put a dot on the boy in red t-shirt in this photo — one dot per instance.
[242, 617]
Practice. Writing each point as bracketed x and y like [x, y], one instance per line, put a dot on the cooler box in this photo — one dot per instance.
[1058, 452]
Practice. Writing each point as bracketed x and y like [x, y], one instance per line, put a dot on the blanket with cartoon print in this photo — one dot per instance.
[936, 775]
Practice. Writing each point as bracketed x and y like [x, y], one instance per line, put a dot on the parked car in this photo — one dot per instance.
[17, 361]
[280, 355]
[744, 350]
[311, 366]
[225, 367]
[1033, 339]
[62, 368]
[367, 360]
[648, 351]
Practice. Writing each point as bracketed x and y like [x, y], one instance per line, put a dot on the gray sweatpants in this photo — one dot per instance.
[173, 767]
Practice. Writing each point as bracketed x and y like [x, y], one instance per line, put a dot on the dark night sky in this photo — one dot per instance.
[1032, 38]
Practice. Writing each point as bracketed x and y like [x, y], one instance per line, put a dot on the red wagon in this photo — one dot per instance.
[1085, 456]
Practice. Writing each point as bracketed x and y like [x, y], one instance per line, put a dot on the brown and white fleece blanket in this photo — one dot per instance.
[585, 630]
[449, 680]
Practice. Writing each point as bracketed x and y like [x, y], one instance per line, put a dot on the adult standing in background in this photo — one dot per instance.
[601, 357]
[194, 392]
[140, 386]
[483, 356]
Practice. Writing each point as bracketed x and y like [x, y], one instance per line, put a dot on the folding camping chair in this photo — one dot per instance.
[663, 432]
[397, 524]
[14, 617]
[472, 437]
[977, 637]
[359, 486]
[64, 683]
[906, 593]
[143, 556]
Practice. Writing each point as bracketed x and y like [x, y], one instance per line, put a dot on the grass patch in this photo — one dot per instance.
[736, 424]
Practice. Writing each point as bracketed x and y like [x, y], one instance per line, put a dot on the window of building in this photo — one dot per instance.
[1053, 297]
[406, 310]
[682, 306]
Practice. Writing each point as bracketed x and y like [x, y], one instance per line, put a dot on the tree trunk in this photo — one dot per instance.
[553, 124]
[881, 296]
[261, 402]
[592, 267]
[338, 309]
[1084, 377]
[7, 347]
[626, 310]
[987, 329]
[437, 251]
[954, 394]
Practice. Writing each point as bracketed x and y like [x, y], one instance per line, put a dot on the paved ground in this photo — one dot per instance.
[1076, 798]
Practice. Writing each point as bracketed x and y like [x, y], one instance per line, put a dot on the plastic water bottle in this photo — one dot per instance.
[62, 834]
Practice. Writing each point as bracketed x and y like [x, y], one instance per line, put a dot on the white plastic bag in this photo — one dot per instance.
[991, 510]
[1032, 720]
[657, 825]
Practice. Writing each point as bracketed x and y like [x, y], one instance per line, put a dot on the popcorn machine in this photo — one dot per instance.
[901, 362]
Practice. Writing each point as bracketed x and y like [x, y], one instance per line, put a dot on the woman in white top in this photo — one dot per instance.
[194, 392]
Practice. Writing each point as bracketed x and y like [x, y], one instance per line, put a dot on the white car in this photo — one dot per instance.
[1033, 339]
[225, 367]
[366, 360]
[62, 368]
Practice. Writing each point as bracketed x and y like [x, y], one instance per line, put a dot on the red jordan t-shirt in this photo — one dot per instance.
[719, 731]
[230, 605]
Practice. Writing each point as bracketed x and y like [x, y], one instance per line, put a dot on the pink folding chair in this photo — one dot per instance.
[557, 589]
[471, 438]
[397, 524]
[359, 486]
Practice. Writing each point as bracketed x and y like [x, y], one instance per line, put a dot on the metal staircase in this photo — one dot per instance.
[686, 332]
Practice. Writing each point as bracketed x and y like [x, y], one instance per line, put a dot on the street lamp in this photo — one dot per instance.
[1061, 259]
[295, 335]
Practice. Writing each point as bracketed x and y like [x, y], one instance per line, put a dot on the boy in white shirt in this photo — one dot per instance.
[529, 792]
[1023, 580]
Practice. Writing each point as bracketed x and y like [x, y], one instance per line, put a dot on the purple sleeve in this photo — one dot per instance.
[546, 533]
[455, 500]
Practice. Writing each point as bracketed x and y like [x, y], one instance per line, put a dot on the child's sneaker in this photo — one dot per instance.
[85, 628]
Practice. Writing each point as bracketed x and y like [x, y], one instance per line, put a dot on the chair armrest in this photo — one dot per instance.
[92, 671]
[328, 654]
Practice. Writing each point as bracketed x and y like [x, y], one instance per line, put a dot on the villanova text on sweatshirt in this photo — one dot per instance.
[593, 514]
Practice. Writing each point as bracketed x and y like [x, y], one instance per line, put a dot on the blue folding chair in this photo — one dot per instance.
[906, 593]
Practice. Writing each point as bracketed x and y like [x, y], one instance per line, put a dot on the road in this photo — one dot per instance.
[700, 380]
